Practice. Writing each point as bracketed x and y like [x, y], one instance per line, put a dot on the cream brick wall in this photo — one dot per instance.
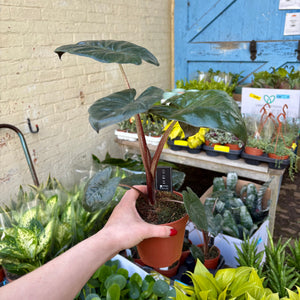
[56, 94]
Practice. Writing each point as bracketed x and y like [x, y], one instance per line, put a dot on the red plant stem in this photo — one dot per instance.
[159, 148]
[144, 150]
[205, 242]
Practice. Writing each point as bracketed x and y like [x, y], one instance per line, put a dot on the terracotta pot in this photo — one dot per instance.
[207, 143]
[163, 252]
[233, 146]
[274, 156]
[253, 151]
[212, 263]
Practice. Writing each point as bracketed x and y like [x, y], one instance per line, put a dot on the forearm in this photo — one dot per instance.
[63, 277]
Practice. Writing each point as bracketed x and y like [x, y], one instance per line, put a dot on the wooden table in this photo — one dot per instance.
[223, 165]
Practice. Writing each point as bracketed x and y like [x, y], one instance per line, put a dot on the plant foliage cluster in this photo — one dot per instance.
[277, 79]
[41, 224]
[241, 210]
[112, 282]
[211, 80]
[281, 268]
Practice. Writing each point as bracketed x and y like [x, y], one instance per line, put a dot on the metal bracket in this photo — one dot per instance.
[298, 51]
[253, 50]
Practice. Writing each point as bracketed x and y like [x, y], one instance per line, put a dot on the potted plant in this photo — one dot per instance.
[210, 225]
[211, 108]
[280, 152]
[255, 146]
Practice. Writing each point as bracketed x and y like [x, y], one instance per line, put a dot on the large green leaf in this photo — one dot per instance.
[110, 51]
[209, 108]
[121, 106]
[100, 190]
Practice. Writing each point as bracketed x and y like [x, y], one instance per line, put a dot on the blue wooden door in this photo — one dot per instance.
[217, 34]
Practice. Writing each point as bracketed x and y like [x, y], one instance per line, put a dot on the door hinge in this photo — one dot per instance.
[298, 51]
[253, 50]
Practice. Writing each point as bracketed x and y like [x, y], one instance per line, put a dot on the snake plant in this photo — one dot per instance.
[214, 109]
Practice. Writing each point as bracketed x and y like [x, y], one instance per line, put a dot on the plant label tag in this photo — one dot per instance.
[164, 179]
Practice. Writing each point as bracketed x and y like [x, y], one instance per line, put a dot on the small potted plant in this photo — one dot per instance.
[210, 225]
[255, 146]
[280, 152]
[199, 109]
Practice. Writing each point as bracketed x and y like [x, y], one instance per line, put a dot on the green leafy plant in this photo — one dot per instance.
[241, 210]
[280, 268]
[293, 258]
[228, 283]
[199, 109]
[282, 150]
[112, 282]
[258, 143]
[204, 220]
[248, 255]
[211, 80]
[279, 276]
[55, 221]
[277, 79]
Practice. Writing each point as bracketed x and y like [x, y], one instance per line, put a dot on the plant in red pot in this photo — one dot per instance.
[212, 108]
[208, 224]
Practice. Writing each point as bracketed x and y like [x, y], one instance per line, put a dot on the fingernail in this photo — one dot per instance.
[173, 232]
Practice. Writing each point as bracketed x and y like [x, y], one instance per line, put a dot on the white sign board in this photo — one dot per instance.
[289, 4]
[292, 24]
[254, 99]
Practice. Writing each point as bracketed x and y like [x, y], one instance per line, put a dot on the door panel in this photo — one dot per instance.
[217, 33]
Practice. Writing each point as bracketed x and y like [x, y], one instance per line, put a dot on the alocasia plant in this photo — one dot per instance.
[211, 108]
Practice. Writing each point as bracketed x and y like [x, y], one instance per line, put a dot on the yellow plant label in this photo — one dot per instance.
[221, 148]
[256, 97]
[180, 143]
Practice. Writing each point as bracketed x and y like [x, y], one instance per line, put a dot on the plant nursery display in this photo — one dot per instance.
[229, 283]
[200, 109]
[211, 80]
[241, 209]
[280, 269]
[277, 79]
[112, 282]
[45, 222]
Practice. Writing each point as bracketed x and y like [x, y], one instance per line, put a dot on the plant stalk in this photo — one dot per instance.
[144, 150]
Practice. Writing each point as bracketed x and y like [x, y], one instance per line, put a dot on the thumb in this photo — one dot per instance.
[160, 231]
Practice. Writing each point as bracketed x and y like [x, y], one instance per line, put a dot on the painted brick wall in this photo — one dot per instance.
[56, 94]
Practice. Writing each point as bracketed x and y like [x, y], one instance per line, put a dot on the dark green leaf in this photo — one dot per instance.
[195, 209]
[134, 290]
[110, 51]
[211, 108]
[100, 190]
[160, 288]
[115, 279]
[121, 106]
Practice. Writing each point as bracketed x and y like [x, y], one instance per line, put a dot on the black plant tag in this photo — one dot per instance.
[164, 179]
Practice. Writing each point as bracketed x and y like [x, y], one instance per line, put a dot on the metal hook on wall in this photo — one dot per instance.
[30, 127]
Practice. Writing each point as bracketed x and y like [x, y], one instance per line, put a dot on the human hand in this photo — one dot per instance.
[127, 227]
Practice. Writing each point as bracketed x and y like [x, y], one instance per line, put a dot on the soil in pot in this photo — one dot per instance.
[165, 211]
